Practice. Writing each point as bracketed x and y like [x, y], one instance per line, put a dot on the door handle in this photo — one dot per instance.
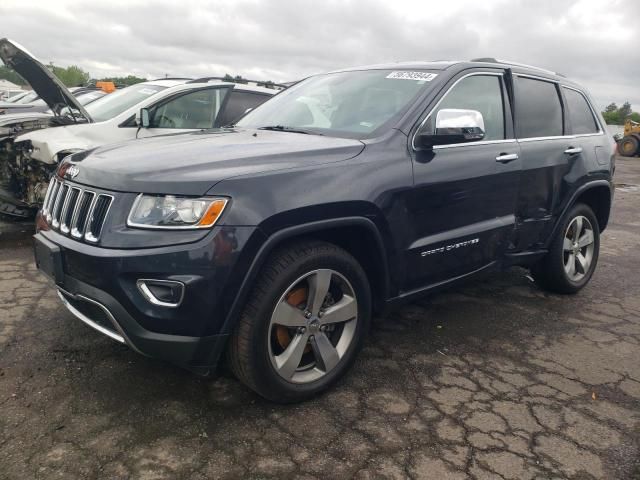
[573, 150]
[506, 157]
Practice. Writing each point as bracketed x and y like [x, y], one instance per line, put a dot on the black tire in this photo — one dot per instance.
[550, 272]
[629, 146]
[248, 353]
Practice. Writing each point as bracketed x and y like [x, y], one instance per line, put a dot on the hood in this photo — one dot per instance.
[44, 82]
[12, 125]
[191, 163]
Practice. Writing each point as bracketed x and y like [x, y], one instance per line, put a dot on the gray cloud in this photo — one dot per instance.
[588, 40]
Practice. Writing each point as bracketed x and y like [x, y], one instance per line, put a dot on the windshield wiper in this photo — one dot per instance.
[283, 128]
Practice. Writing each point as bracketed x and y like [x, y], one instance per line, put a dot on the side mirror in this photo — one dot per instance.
[142, 118]
[453, 126]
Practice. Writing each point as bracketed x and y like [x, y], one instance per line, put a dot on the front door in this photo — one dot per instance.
[195, 110]
[463, 202]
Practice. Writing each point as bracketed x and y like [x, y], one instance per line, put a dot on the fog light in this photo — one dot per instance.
[164, 293]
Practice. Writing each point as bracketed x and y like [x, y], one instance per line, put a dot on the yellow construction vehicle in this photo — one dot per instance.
[629, 145]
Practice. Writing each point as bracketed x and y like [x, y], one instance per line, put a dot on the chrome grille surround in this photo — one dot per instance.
[71, 210]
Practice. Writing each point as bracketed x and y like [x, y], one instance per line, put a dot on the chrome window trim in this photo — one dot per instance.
[536, 77]
[472, 74]
[593, 112]
[151, 298]
[537, 139]
[468, 144]
[566, 137]
[81, 316]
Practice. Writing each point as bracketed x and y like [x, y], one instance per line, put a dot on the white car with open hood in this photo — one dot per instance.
[147, 109]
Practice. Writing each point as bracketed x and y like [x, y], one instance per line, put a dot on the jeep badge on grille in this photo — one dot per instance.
[71, 171]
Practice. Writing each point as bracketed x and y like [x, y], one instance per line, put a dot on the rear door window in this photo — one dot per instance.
[580, 114]
[538, 109]
[238, 104]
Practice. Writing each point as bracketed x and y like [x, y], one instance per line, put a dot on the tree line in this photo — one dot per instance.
[615, 115]
[71, 76]
[74, 76]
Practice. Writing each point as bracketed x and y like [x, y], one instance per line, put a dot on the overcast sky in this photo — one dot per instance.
[594, 42]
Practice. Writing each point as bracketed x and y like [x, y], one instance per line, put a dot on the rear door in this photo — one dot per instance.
[590, 143]
[553, 156]
[462, 205]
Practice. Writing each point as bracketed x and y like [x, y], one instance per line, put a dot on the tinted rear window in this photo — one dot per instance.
[538, 109]
[238, 104]
[580, 114]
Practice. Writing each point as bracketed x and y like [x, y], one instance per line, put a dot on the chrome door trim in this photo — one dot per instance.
[468, 144]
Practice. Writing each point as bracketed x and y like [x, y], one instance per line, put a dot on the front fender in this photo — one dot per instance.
[270, 242]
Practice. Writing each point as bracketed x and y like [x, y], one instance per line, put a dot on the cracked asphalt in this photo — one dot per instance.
[495, 379]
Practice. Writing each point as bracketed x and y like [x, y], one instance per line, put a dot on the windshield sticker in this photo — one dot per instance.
[424, 76]
[148, 91]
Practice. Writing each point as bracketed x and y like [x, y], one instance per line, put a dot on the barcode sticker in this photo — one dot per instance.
[403, 75]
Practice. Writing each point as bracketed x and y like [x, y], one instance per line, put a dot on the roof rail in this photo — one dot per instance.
[169, 78]
[515, 64]
[241, 81]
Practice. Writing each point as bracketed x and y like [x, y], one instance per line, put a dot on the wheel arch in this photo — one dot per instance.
[597, 195]
[357, 235]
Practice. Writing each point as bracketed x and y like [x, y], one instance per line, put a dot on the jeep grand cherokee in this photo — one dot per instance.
[271, 243]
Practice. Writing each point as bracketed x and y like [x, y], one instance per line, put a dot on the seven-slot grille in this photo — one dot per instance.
[75, 211]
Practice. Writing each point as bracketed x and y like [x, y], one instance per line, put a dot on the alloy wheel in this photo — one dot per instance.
[312, 326]
[578, 247]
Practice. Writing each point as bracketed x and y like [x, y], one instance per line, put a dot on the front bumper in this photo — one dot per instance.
[98, 285]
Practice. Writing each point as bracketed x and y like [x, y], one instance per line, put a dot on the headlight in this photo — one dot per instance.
[173, 212]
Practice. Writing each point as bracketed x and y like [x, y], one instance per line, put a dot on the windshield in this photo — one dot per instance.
[117, 102]
[352, 104]
[88, 97]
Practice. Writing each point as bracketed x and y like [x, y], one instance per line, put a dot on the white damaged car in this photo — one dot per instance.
[157, 107]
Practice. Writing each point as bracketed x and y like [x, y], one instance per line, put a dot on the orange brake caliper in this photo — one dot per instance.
[294, 298]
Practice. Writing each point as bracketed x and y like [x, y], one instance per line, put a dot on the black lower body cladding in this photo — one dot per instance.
[101, 287]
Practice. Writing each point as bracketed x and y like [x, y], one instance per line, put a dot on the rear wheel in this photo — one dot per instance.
[303, 324]
[573, 254]
[629, 146]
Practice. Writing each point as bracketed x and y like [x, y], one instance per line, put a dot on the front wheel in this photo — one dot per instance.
[303, 324]
[573, 253]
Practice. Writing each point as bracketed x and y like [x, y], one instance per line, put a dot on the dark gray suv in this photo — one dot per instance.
[272, 242]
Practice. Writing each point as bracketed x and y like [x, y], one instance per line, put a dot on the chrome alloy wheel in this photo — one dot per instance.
[578, 247]
[312, 326]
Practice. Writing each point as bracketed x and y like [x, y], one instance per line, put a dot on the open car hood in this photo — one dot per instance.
[41, 79]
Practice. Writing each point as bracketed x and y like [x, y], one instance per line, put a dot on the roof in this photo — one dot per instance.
[162, 82]
[488, 62]
[209, 80]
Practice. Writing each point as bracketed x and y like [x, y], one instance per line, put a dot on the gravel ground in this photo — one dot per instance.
[495, 379]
